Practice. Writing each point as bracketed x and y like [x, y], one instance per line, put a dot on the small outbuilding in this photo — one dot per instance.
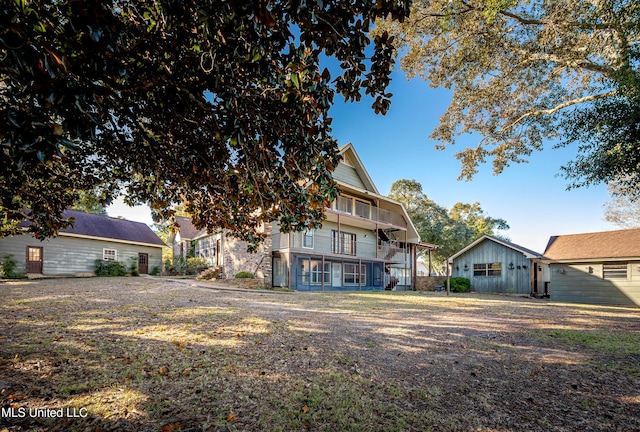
[75, 250]
[596, 268]
[494, 265]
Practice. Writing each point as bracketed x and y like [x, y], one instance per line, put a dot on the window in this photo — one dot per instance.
[351, 275]
[312, 272]
[614, 271]
[109, 254]
[307, 240]
[34, 253]
[343, 243]
[492, 269]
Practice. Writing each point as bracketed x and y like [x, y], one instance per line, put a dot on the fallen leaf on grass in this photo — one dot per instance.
[171, 427]
[163, 370]
[305, 409]
[231, 417]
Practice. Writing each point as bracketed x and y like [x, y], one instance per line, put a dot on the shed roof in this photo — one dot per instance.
[597, 245]
[523, 250]
[92, 225]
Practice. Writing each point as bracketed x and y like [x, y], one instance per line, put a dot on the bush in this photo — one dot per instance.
[210, 273]
[244, 274]
[460, 284]
[195, 265]
[8, 267]
[109, 268]
[155, 271]
[133, 268]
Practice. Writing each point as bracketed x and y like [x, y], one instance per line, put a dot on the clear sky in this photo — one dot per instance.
[531, 197]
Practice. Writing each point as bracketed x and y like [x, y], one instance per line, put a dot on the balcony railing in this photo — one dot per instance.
[355, 207]
[324, 243]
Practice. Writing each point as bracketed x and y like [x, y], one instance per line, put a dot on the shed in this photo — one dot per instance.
[494, 265]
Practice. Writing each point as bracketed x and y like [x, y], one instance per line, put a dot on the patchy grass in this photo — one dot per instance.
[146, 354]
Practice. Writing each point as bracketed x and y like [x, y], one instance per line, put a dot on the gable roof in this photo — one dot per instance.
[105, 227]
[597, 245]
[528, 253]
[187, 231]
[349, 154]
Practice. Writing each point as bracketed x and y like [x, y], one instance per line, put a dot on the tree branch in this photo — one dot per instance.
[559, 107]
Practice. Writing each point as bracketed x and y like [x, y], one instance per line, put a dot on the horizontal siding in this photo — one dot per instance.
[583, 283]
[67, 255]
[348, 174]
[487, 252]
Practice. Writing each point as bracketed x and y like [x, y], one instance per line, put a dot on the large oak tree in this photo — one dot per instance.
[221, 105]
[523, 72]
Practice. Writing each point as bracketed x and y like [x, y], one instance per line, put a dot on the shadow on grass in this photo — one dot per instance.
[146, 355]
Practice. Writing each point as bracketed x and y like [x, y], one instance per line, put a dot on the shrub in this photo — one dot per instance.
[195, 265]
[133, 268]
[155, 271]
[210, 273]
[460, 284]
[8, 267]
[109, 268]
[244, 274]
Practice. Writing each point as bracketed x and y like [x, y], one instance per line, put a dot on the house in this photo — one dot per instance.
[367, 242]
[221, 249]
[75, 249]
[494, 265]
[597, 268]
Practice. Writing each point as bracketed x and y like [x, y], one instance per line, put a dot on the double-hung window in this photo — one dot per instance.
[307, 240]
[109, 254]
[354, 274]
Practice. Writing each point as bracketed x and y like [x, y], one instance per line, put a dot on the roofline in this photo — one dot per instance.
[586, 260]
[349, 146]
[512, 246]
[114, 240]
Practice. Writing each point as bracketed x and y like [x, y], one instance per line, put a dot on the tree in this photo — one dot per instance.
[218, 105]
[451, 230]
[621, 210]
[522, 71]
[91, 202]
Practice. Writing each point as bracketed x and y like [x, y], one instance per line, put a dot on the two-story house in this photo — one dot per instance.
[367, 242]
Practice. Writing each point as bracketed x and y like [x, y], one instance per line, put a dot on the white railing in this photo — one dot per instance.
[351, 206]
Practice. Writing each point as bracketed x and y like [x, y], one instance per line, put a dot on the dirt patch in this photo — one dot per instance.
[147, 354]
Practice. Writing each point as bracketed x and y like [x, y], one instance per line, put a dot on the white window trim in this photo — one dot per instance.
[304, 236]
[106, 255]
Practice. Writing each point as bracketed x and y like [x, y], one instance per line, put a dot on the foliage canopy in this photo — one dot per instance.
[219, 105]
[524, 72]
[449, 229]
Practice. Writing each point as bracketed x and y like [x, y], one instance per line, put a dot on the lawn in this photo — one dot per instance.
[143, 354]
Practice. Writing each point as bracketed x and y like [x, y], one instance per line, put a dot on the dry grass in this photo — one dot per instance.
[147, 354]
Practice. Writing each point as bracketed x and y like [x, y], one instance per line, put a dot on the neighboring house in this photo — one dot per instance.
[220, 249]
[596, 268]
[498, 266]
[367, 242]
[75, 249]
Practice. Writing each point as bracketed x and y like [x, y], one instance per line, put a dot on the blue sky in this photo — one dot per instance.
[531, 197]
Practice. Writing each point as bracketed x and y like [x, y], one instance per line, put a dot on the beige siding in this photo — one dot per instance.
[348, 174]
[584, 283]
[68, 255]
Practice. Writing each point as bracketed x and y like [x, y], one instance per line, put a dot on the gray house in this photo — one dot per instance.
[75, 249]
[497, 266]
[596, 268]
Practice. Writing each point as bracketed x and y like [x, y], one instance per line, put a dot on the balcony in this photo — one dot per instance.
[358, 208]
[327, 243]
